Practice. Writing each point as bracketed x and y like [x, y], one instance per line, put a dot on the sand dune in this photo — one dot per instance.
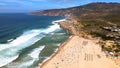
[78, 52]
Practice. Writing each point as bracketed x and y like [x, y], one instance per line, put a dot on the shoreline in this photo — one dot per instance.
[27, 36]
[48, 58]
[57, 51]
[83, 54]
[50, 62]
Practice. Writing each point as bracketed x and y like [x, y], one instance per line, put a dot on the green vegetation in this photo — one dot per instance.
[96, 19]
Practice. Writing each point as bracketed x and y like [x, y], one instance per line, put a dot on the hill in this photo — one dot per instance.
[101, 20]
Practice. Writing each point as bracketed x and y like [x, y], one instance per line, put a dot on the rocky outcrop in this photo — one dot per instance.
[68, 26]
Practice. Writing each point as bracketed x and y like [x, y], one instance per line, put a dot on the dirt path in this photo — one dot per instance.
[79, 53]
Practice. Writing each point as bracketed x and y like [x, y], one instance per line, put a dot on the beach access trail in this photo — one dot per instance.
[78, 52]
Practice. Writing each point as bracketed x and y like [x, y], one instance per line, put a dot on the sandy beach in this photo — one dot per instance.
[78, 52]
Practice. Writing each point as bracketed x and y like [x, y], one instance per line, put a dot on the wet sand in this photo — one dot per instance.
[78, 52]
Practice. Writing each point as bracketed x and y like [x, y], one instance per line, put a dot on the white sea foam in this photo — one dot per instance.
[6, 60]
[26, 36]
[35, 53]
[52, 28]
[20, 40]
[10, 49]
[26, 64]
[10, 40]
[58, 44]
[58, 21]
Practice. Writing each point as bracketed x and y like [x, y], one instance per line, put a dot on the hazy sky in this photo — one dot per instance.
[32, 5]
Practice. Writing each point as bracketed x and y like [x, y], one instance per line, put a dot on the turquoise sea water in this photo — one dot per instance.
[27, 40]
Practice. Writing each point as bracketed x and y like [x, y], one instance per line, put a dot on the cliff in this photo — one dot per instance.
[94, 20]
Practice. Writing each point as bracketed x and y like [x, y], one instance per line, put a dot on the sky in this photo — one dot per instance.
[21, 6]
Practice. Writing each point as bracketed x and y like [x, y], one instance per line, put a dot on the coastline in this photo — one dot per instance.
[16, 51]
[60, 45]
[102, 24]
[83, 54]
[57, 51]
[49, 62]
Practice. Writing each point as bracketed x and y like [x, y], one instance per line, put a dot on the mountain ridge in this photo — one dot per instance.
[71, 10]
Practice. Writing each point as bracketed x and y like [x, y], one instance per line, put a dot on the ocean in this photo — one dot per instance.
[28, 40]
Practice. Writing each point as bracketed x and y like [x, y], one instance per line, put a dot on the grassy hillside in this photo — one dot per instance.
[96, 19]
